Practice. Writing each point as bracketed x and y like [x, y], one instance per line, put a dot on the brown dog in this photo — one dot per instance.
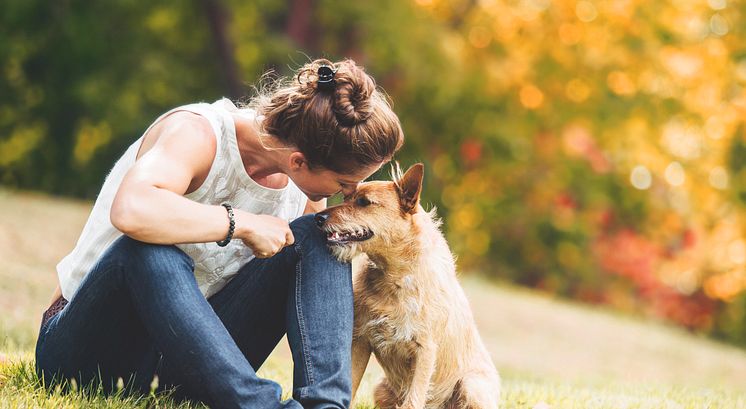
[410, 310]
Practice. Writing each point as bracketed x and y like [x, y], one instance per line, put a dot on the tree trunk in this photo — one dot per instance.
[300, 26]
[219, 19]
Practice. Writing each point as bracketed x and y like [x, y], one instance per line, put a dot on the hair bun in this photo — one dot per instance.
[341, 123]
[353, 92]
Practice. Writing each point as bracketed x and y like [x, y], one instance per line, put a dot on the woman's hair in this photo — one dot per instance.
[343, 128]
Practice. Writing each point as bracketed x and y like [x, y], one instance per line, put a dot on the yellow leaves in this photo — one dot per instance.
[577, 140]
[725, 286]
[739, 103]
[453, 46]
[741, 71]
[478, 242]
[682, 64]
[31, 94]
[570, 34]
[506, 26]
[569, 255]
[425, 3]
[158, 90]
[716, 127]
[530, 10]
[586, 11]
[718, 178]
[14, 73]
[680, 273]
[640, 177]
[577, 90]
[443, 166]
[480, 37]
[23, 139]
[675, 174]
[451, 196]
[466, 223]
[89, 138]
[531, 96]
[737, 252]
[467, 217]
[719, 25]
[682, 139]
[724, 246]
[620, 83]
[162, 20]
[247, 54]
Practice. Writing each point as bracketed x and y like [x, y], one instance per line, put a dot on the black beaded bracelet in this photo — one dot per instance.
[232, 227]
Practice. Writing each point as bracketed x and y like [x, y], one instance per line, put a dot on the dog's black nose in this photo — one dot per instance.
[320, 219]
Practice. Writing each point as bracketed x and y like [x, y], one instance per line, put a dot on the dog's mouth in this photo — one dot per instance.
[345, 237]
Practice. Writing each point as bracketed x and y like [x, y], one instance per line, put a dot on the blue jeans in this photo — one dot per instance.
[139, 312]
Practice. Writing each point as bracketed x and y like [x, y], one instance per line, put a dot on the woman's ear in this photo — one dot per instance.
[297, 161]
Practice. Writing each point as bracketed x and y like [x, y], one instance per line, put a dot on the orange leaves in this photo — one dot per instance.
[471, 151]
[635, 257]
[531, 96]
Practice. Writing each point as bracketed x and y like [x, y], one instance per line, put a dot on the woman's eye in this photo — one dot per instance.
[362, 201]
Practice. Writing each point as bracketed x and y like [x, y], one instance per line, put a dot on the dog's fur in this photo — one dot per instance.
[410, 310]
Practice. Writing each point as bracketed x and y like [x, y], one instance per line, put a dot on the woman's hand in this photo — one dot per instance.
[265, 235]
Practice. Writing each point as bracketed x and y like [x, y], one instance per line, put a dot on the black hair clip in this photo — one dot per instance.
[325, 77]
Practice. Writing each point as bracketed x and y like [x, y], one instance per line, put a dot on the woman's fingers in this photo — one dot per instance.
[268, 235]
[272, 249]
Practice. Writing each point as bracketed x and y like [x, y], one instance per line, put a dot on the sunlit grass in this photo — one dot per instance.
[19, 388]
[542, 394]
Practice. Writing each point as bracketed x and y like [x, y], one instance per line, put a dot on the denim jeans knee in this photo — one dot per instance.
[307, 234]
[147, 257]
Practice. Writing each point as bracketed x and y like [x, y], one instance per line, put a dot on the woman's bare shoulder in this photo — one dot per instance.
[185, 125]
[176, 152]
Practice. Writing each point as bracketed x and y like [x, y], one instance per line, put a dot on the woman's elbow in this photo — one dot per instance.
[123, 216]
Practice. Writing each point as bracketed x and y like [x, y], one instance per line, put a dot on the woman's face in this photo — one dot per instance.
[322, 183]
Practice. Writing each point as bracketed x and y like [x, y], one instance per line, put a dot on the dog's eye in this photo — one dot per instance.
[362, 201]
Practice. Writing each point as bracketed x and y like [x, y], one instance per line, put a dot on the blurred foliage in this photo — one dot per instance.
[594, 149]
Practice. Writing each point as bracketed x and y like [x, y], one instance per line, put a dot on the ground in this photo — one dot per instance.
[550, 353]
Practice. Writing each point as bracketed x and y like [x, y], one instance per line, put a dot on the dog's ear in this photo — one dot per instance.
[409, 188]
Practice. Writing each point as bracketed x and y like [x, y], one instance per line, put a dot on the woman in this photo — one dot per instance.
[197, 257]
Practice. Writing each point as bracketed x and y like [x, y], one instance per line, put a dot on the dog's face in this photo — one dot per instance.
[372, 219]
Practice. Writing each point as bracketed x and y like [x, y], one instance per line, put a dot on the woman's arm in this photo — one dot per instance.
[149, 205]
[57, 294]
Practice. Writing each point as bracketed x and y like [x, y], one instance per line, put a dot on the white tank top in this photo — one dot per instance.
[227, 181]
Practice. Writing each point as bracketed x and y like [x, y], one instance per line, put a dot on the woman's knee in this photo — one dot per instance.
[137, 256]
[306, 232]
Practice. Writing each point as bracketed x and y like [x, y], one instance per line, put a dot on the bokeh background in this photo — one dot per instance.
[591, 149]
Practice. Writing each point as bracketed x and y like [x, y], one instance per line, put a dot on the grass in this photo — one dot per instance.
[19, 388]
[551, 353]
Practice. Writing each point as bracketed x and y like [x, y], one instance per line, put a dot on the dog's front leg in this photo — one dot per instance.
[424, 366]
[360, 358]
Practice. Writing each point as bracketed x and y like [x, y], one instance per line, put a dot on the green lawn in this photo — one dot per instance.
[551, 353]
[19, 388]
